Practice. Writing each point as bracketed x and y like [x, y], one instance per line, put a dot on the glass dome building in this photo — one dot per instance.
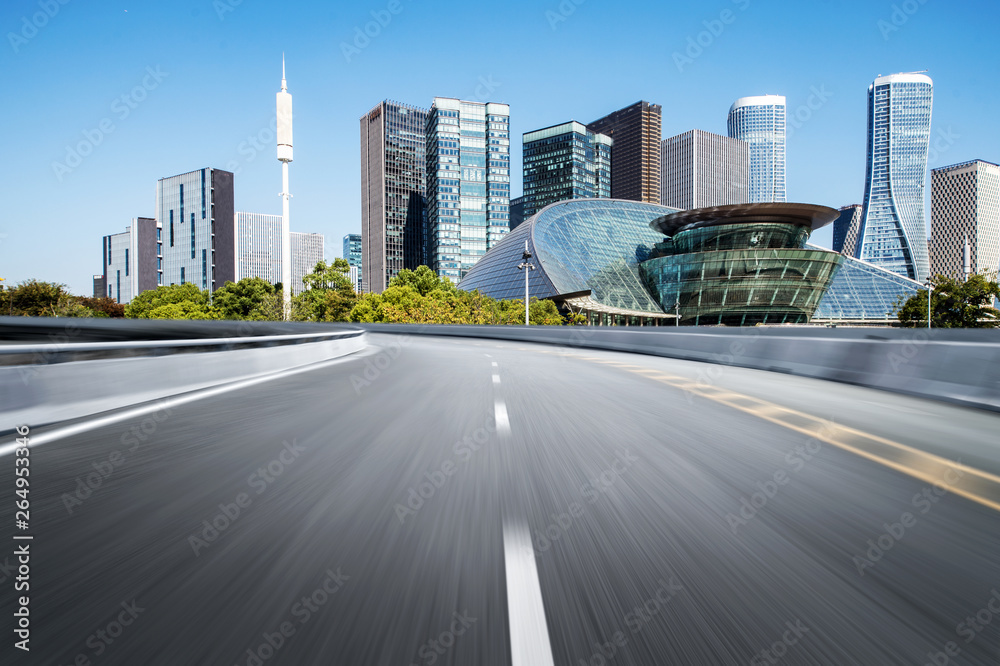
[628, 263]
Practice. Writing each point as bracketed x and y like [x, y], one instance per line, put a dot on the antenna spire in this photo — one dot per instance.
[284, 86]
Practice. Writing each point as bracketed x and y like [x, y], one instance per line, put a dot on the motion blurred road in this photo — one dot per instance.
[358, 513]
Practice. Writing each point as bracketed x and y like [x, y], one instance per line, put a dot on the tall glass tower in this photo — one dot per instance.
[893, 231]
[562, 162]
[760, 121]
[468, 182]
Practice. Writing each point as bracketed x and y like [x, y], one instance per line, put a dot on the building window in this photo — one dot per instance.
[182, 275]
[203, 194]
[126, 262]
[204, 269]
[109, 250]
[192, 235]
[182, 204]
[118, 285]
[171, 228]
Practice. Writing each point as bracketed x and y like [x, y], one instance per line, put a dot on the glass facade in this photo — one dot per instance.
[208, 191]
[468, 182]
[577, 245]
[863, 291]
[258, 249]
[352, 253]
[760, 121]
[393, 229]
[893, 231]
[565, 162]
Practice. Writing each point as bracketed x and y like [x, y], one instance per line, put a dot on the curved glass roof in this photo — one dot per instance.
[861, 290]
[577, 245]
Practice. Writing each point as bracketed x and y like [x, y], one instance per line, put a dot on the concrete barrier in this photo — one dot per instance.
[954, 365]
[69, 378]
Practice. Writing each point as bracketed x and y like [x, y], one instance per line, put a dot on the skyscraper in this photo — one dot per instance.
[468, 182]
[565, 161]
[846, 228]
[392, 190]
[703, 169]
[760, 121]
[258, 250]
[635, 156]
[132, 261]
[965, 212]
[516, 212]
[352, 253]
[893, 231]
[198, 228]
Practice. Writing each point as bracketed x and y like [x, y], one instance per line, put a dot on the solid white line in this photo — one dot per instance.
[503, 423]
[167, 403]
[529, 634]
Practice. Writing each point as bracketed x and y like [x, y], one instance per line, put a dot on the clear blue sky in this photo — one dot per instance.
[220, 66]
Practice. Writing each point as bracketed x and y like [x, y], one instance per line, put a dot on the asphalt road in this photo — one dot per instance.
[386, 502]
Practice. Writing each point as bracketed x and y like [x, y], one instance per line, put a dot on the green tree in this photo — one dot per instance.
[33, 298]
[543, 313]
[190, 301]
[954, 304]
[329, 294]
[246, 299]
[104, 307]
[423, 279]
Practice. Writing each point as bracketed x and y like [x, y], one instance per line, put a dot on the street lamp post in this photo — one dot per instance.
[930, 289]
[525, 266]
[677, 312]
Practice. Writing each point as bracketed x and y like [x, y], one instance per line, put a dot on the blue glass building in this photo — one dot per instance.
[563, 162]
[893, 232]
[863, 292]
[760, 121]
[468, 182]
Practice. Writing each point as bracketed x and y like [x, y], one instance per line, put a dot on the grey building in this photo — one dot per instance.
[198, 226]
[965, 218]
[635, 160]
[846, 229]
[392, 189]
[702, 169]
[258, 250]
[760, 121]
[132, 261]
[563, 162]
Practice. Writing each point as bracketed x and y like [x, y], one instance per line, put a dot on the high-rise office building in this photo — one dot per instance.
[392, 189]
[562, 162]
[635, 156]
[307, 250]
[352, 253]
[893, 231]
[846, 228]
[132, 261]
[198, 228]
[965, 213]
[516, 212]
[760, 121]
[702, 169]
[100, 291]
[468, 182]
[258, 250]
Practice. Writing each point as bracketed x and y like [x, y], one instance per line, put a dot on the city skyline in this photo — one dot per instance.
[134, 118]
